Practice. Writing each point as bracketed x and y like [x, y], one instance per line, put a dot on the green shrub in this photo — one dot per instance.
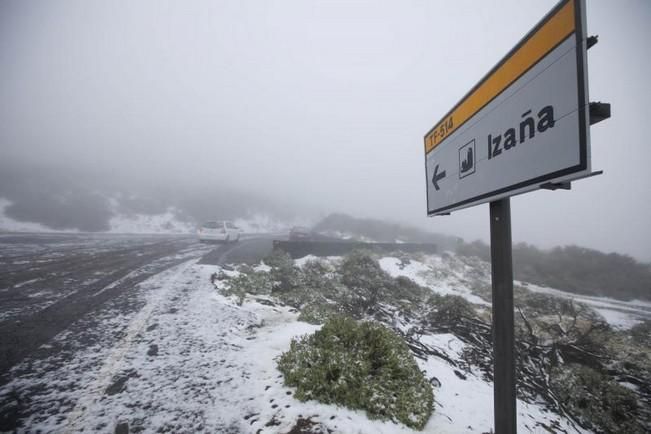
[365, 279]
[539, 304]
[599, 402]
[300, 296]
[641, 333]
[245, 268]
[319, 275]
[318, 312]
[278, 258]
[448, 310]
[284, 273]
[362, 366]
[256, 282]
[313, 285]
[403, 288]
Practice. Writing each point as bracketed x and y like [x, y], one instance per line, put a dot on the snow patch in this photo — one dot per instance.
[464, 403]
[165, 223]
[260, 223]
[342, 235]
[619, 314]
[434, 274]
[617, 319]
[330, 260]
[262, 267]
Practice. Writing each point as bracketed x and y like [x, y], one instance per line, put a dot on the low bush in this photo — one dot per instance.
[284, 274]
[366, 280]
[318, 313]
[255, 282]
[641, 333]
[600, 403]
[405, 289]
[448, 310]
[361, 366]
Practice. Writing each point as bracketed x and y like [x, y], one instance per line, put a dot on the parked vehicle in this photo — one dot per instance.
[221, 231]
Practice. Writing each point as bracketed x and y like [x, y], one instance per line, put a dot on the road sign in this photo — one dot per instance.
[525, 124]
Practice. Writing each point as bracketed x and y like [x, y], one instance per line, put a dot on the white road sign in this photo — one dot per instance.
[525, 124]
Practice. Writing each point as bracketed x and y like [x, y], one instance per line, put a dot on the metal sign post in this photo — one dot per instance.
[503, 339]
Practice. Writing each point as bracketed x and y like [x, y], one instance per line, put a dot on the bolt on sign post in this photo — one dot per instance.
[523, 127]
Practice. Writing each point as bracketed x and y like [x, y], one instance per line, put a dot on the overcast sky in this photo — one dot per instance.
[323, 104]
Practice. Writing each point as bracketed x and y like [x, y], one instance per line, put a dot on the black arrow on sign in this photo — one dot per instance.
[437, 177]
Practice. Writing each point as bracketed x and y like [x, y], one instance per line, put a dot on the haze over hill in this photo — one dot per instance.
[294, 108]
[85, 201]
[64, 203]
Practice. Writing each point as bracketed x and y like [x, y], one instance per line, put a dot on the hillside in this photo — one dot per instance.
[576, 371]
[576, 269]
[570, 268]
[381, 231]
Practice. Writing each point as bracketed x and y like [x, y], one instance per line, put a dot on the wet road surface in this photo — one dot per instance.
[59, 295]
[47, 282]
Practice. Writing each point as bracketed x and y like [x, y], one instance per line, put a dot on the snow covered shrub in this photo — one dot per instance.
[448, 310]
[540, 304]
[322, 277]
[318, 313]
[366, 280]
[547, 319]
[256, 282]
[306, 289]
[284, 273]
[221, 276]
[597, 401]
[279, 258]
[404, 289]
[361, 366]
[641, 333]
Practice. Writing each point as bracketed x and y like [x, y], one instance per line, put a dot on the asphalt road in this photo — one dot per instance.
[48, 282]
[247, 251]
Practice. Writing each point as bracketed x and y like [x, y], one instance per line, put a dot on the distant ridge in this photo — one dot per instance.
[364, 229]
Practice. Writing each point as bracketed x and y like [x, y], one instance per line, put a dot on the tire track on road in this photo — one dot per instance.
[19, 338]
[109, 368]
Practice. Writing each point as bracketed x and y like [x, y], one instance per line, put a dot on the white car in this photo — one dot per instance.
[218, 231]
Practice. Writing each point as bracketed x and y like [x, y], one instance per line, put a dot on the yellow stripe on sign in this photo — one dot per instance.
[557, 28]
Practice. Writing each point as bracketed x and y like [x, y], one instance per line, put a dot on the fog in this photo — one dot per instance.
[299, 108]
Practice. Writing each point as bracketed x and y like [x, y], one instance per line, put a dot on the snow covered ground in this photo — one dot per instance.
[189, 359]
[192, 360]
[168, 222]
[349, 236]
[260, 223]
[444, 274]
[450, 274]
[164, 223]
[464, 403]
[619, 314]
